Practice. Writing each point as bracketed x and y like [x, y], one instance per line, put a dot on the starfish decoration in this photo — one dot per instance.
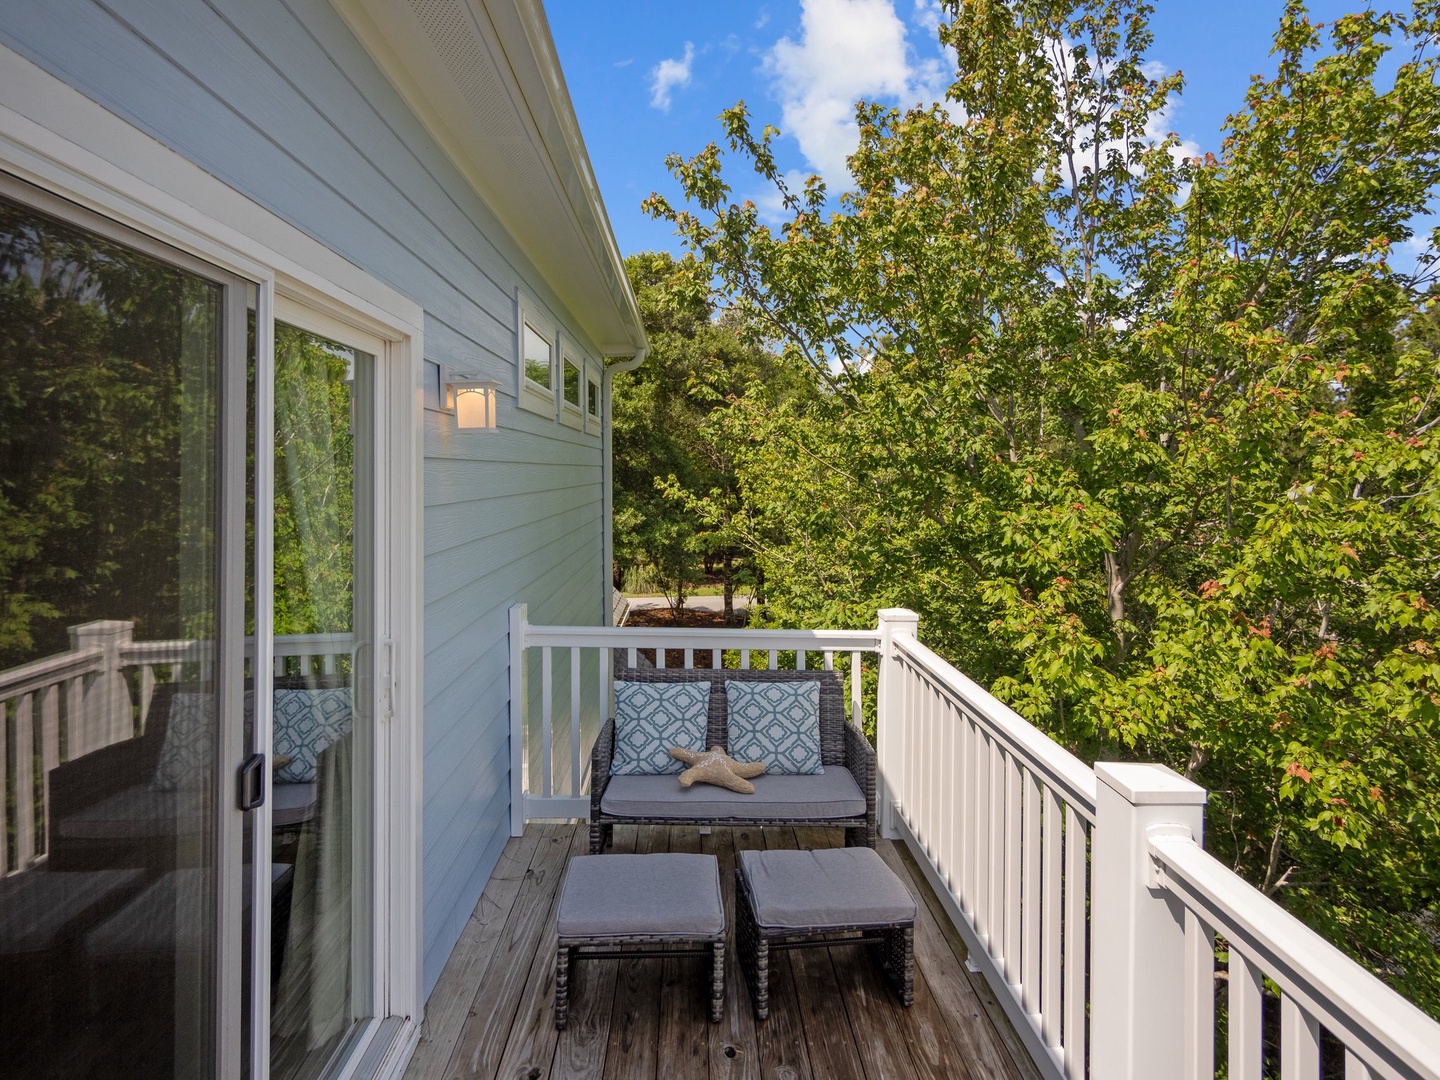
[714, 766]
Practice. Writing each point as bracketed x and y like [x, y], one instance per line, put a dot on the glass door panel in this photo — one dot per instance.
[323, 722]
[111, 696]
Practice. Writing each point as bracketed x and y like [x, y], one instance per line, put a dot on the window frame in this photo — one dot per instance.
[572, 414]
[528, 393]
[594, 379]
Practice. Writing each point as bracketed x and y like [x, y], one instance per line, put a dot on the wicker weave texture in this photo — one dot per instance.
[896, 942]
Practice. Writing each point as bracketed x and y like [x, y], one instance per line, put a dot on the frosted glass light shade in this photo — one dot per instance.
[476, 405]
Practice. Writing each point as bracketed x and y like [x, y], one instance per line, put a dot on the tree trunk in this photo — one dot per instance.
[1115, 595]
[727, 576]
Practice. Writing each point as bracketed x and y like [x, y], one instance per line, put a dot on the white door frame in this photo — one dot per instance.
[54, 137]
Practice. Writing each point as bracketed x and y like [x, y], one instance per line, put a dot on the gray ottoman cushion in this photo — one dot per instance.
[669, 895]
[831, 794]
[812, 890]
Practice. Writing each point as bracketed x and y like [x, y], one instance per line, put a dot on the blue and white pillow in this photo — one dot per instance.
[652, 717]
[306, 722]
[187, 756]
[777, 723]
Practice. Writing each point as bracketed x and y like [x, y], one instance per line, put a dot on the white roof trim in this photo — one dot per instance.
[484, 78]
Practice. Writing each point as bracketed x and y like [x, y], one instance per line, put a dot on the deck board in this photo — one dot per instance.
[832, 1013]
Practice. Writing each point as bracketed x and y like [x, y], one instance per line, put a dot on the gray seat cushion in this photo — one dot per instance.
[831, 794]
[136, 813]
[170, 915]
[670, 895]
[815, 890]
[40, 904]
[292, 804]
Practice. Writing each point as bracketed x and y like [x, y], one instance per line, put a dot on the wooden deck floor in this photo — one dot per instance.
[833, 1016]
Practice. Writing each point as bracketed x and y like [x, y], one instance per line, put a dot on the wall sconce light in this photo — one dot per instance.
[476, 402]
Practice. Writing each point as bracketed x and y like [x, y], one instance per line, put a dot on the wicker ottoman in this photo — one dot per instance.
[618, 906]
[836, 896]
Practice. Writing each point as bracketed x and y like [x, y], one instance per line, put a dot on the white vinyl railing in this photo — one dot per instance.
[999, 816]
[1083, 895]
[561, 688]
[65, 706]
[1383, 1035]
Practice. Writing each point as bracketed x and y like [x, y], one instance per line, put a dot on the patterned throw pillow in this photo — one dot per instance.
[652, 717]
[187, 756]
[306, 722]
[777, 723]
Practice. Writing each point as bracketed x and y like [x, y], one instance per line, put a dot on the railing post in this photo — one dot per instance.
[107, 700]
[889, 712]
[519, 708]
[1137, 985]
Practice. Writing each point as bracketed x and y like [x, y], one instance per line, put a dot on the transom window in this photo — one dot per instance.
[537, 358]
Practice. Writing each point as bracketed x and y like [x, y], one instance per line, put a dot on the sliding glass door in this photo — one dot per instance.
[193, 656]
[323, 734]
[121, 585]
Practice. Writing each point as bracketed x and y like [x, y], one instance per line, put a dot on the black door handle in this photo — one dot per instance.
[250, 789]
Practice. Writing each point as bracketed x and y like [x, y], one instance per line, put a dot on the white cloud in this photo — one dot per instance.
[763, 19]
[624, 63]
[848, 49]
[929, 14]
[667, 75]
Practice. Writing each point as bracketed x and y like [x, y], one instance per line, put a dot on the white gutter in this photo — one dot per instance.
[607, 475]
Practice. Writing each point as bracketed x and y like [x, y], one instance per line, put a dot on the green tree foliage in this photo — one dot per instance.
[676, 492]
[107, 417]
[1148, 439]
[314, 484]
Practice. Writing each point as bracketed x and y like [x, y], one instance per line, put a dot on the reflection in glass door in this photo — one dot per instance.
[322, 730]
[121, 378]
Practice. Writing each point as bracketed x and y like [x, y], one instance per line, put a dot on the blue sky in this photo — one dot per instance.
[650, 78]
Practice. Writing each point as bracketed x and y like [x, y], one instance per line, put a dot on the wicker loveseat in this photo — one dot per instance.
[843, 796]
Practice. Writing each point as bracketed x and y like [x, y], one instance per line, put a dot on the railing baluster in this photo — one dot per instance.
[969, 823]
[774, 659]
[744, 659]
[1030, 895]
[4, 787]
[689, 659]
[660, 658]
[605, 672]
[857, 712]
[1243, 1032]
[24, 782]
[1299, 1042]
[77, 741]
[1050, 916]
[800, 660]
[574, 720]
[829, 657]
[547, 763]
[147, 692]
[1199, 991]
[1013, 789]
[953, 797]
[630, 657]
[929, 763]
[49, 747]
[982, 835]
[995, 868]
[1077, 943]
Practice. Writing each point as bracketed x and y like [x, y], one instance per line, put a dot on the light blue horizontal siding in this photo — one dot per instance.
[277, 99]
